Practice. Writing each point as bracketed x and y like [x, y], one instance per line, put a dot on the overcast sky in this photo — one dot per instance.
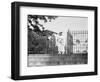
[62, 24]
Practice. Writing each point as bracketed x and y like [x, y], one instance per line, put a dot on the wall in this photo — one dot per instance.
[5, 41]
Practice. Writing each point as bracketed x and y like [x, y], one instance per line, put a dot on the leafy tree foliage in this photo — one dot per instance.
[33, 20]
[37, 38]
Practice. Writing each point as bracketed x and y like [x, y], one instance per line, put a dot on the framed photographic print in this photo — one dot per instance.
[53, 40]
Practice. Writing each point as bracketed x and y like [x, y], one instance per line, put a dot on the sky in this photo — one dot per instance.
[63, 23]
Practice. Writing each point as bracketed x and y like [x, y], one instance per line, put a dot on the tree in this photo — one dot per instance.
[33, 20]
[36, 39]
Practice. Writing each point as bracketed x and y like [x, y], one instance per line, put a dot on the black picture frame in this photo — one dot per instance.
[15, 40]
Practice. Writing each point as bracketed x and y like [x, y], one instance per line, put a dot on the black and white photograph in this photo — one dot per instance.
[53, 40]
[57, 40]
